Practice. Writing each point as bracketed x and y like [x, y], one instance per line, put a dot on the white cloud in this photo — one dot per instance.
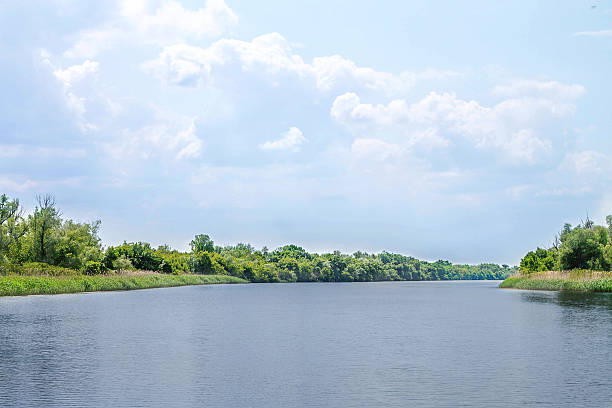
[540, 89]
[510, 126]
[269, 56]
[81, 75]
[10, 184]
[173, 138]
[292, 140]
[126, 129]
[76, 73]
[587, 162]
[141, 23]
[171, 20]
[600, 33]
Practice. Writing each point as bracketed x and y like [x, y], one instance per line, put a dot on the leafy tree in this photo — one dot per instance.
[76, 244]
[141, 255]
[202, 243]
[43, 224]
[12, 228]
[531, 263]
[581, 248]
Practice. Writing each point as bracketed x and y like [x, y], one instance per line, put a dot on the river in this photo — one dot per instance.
[388, 344]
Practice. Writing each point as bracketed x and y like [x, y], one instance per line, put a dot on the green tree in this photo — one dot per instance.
[581, 248]
[202, 242]
[43, 224]
[12, 229]
[76, 244]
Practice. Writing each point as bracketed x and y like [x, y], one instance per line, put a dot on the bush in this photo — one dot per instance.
[122, 264]
[41, 268]
[93, 268]
[581, 248]
[285, 275]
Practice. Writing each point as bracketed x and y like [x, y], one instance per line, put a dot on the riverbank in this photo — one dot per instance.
[583, 281]
[16, 285]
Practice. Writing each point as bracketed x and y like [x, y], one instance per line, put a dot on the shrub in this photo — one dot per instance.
[122, 263]
[93, 268]
[286, 275]
[41, 268]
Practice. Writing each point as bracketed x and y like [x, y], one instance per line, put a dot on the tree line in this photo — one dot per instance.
[43, 239]
[585, 246]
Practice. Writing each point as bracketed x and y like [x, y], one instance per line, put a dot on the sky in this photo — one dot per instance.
[466, 133]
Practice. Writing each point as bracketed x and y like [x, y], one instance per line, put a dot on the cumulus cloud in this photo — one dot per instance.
[292, 140]
[147, 22]
[173, 138]
[75, 76]
[511, 126]
[76, 73]
[271, 55]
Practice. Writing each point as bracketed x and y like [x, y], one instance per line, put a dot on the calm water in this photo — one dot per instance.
[393, 344]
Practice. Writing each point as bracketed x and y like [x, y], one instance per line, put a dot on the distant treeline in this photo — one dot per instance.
[42, 241]
[586, 246]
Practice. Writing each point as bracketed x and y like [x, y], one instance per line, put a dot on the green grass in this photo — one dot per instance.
[576, 282]
[15, 285]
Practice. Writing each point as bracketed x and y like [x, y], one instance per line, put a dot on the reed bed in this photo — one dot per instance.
[579, 280]
[18, 285]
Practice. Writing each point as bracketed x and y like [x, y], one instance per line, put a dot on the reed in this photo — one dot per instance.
[18, 285]
[578, 280]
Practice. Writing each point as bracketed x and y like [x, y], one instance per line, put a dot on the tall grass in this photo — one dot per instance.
[584, 281]
[16, 285]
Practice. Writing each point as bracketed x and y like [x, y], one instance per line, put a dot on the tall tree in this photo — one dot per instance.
[42, 223]
[12, 227]
[202, 242]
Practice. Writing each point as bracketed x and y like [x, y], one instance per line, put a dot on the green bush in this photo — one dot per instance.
[122, 263]
[41, 268]
[93, 268]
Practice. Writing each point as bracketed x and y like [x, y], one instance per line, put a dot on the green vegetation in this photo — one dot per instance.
[43, 245]
[586, 246]
[587, 281]
[580, 259]
[15, 285]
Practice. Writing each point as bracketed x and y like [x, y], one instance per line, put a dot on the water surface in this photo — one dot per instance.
[391, 344]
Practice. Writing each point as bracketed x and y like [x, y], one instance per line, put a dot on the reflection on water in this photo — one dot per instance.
[570, 299]
[392, 344]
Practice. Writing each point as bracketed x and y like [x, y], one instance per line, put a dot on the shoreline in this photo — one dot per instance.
[18, 285]
[575, 281]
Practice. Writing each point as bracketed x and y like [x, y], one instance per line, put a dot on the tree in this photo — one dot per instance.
[581, 249]
[202, 242]
[76, 244]
[12, 229]
[42, 224]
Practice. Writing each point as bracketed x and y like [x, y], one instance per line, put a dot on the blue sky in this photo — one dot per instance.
[465, 133]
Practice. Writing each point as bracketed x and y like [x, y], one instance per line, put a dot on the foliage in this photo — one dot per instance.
[584, 285]
[122, 263]
[202, 243]
[44, 236]
[39, 269]
[93, 268]
[586, 246]
[37, 285]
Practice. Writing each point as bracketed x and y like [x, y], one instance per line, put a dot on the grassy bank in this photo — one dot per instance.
[15, 285]
[584, 281]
